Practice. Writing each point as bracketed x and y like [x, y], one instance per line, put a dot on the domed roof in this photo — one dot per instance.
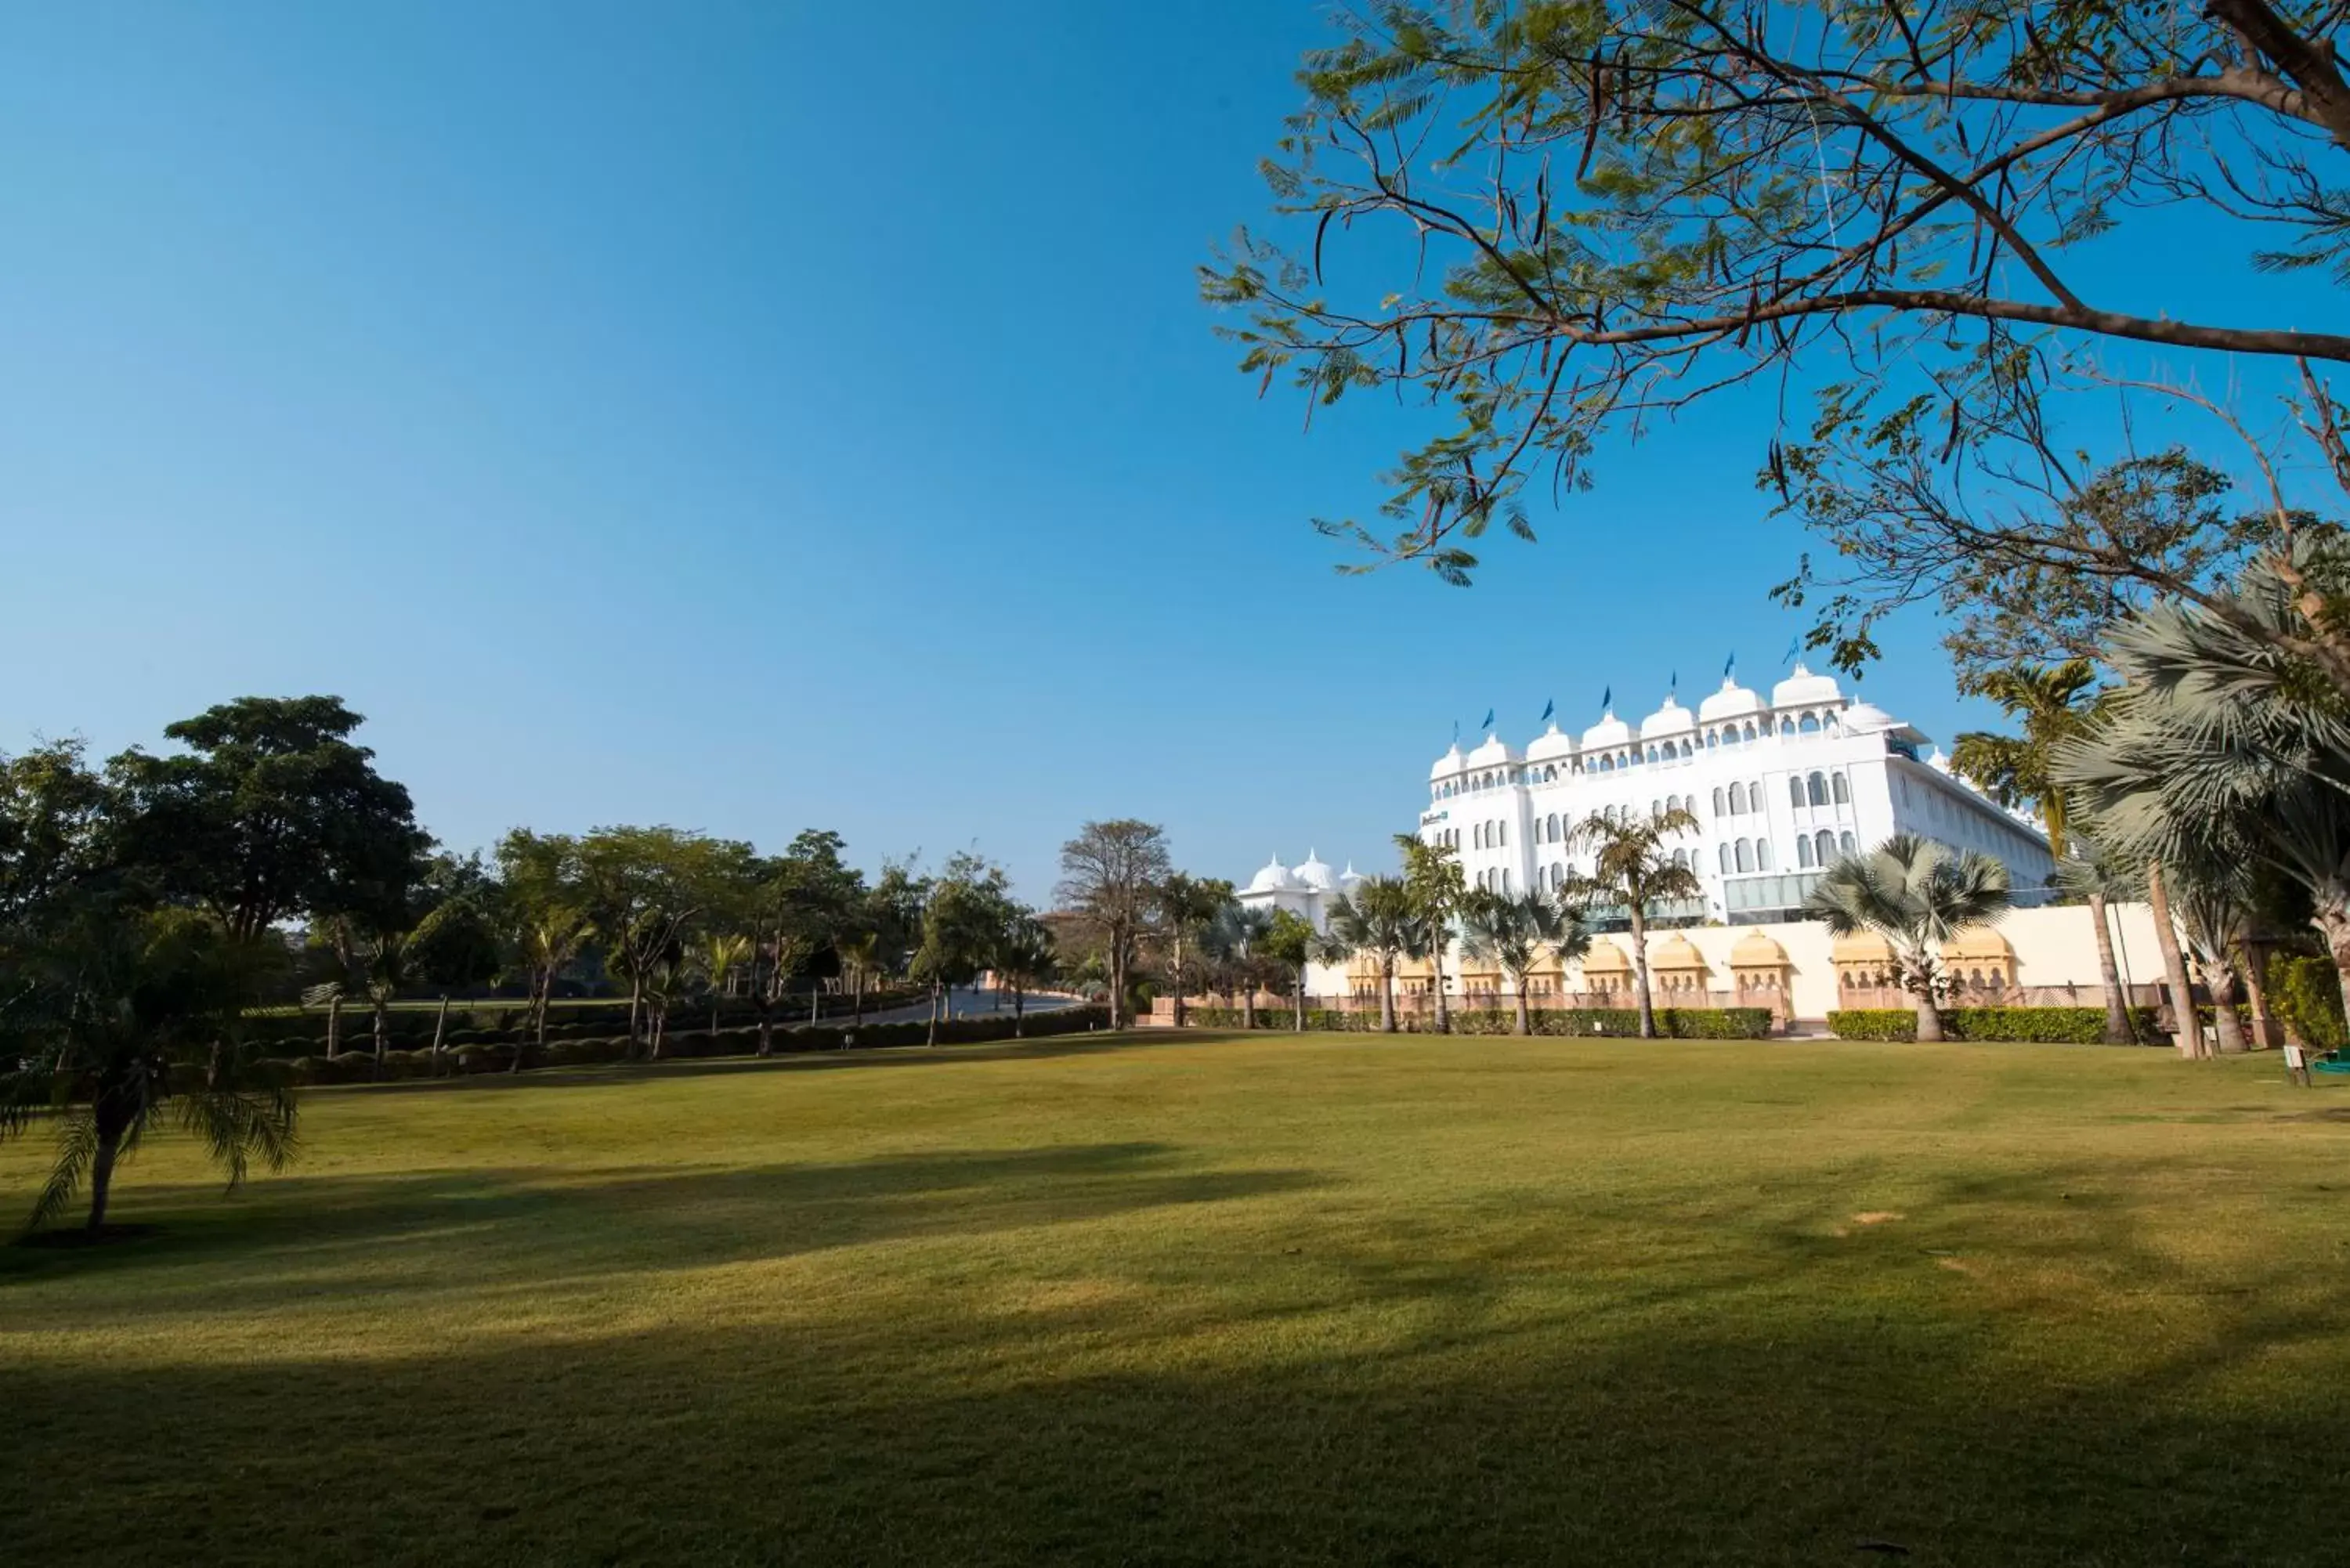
[1732, 701]
[1978, 942]
[1755, 951]
[1314, 874]
[1489, 752]
[1867, 718]
[1275, 879]
[1669, 720]
[1677, 953]
[1861, 947]
[1349, 877]
[1609, 732]
[1549, 746]
[1606, 958]
[1804, 690]
[1448, 763]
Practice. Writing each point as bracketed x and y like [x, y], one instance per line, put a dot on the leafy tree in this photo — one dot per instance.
[272, 812]
[546, 908]
[964, 926]
[1517, 932]
[457, 947]
[1381, 919]
[718, 956]
[1916, 894]
[1433, 874]
[860, 958]
[55, 830]
[1561, 221]
[1186, 905]
[106, 999]
[1632, 867]
[1025, 960]
[1111, 873]
[1290, 941]
[645, 887]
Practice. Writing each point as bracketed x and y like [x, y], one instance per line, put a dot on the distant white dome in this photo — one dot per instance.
[1868, 719]
[1349, 877]
[1448, 764]
[1275, 879]
[1609, 732]
[1551, 746]
[1490, 752]
[1938, 762]
[1732, 701]
[1805, 690]
[1672, 719]
[1314, 875]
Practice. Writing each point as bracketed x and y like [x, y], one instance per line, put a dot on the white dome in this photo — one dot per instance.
[1349, 877]
[1867, 718]
[1490, 752]
[1671, 719]
[1448, 764]
[1314, 874]
[1549, 746]
[1804, 690]
[1275, 879]
[1732, 701]
[1609, 732]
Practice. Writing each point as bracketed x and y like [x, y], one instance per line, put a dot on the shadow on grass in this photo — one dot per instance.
[448, 1230]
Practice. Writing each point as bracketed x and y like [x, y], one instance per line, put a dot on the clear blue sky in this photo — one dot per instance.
[757, 416]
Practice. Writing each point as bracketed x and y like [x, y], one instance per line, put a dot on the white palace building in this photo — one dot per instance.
[1780, 788]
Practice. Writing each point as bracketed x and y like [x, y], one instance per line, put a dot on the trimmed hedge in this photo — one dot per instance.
[1610, 1023]
[2307, 993]
[2024, 1025]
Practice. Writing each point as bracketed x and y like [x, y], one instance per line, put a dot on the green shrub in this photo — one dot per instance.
[2307, 994]
[1610, 1023]
[2028, 1026]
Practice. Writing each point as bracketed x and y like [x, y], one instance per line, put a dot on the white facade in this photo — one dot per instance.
[1780, 788]
[1307, 888]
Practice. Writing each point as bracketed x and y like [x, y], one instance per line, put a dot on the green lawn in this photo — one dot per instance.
[1336, 1300]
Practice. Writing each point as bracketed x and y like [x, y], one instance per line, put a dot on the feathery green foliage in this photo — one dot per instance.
[1916, 894]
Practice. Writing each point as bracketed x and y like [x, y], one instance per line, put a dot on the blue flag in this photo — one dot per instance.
[1489, 720]
[1676, 685]
[1607, 699]
[1548, 706]
[1794, 647]
[1729, 665]
[1456, 732]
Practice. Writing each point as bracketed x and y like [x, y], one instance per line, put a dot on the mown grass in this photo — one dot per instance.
[1332, 1300]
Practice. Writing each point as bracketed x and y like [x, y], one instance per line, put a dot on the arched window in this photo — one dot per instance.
[1832, 723]
[1803, 853]
[1500, 833]
[1745, 855]
[1711, 740]
[1750, 733]
[1725, 857]
[1505, 880]
[1607, 765]
[1557, 876]
[1794, 790]
[1816, 789]
[1823, 845]
[1755, 796]
[1688, 748]
[1718, 809]
[1843, 791]
[1810, 725]
[1550, 773]
[1681, 858]
[1738, 800]
[1850, 845]
[1656, 806]
[1652, 753]
[1786, 726]
[1552, 821]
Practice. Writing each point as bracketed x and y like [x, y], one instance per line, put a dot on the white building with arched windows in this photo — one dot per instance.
[1779, 788]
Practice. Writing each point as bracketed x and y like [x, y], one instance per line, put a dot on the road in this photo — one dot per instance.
[964, 1003]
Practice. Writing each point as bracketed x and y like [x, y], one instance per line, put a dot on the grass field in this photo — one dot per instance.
[1336, 1299]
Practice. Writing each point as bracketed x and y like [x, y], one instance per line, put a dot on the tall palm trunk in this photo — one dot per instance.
[2118, 1028]
[1177, 969]
[1436, 965]
[1640, 971]
[382, 1029]
[1518, 986]
[1387, 998]
[1919, 973]
[1019, 1013]
[334, 1027]
[113, 1117]
[857, 995]
[439, 1028]
[2256, 991]
[2188, 1034]
[934, 1013]
[2225, 993]
[1301, 999]
[1248, 1002]
[636, 1011]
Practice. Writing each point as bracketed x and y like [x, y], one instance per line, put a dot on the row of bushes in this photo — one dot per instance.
[411, 1029]
[1613, 1022]
[2307, 994]
[2030, 1025]
[359, 1067]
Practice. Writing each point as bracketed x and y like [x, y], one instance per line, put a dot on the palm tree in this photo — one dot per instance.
[1631, 866]
[1380, 918]
[102, 1008]
[2214, 913]
[1516, 933]
[550, 938]
[1290, 941]
[2098, 877]
[1025, 959]
[2223, 751]
[716, 958]
[2051, 703]
[860, 955]
[1234, 940]
[1916, 894]
[1440, 893]
[1186, 905]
